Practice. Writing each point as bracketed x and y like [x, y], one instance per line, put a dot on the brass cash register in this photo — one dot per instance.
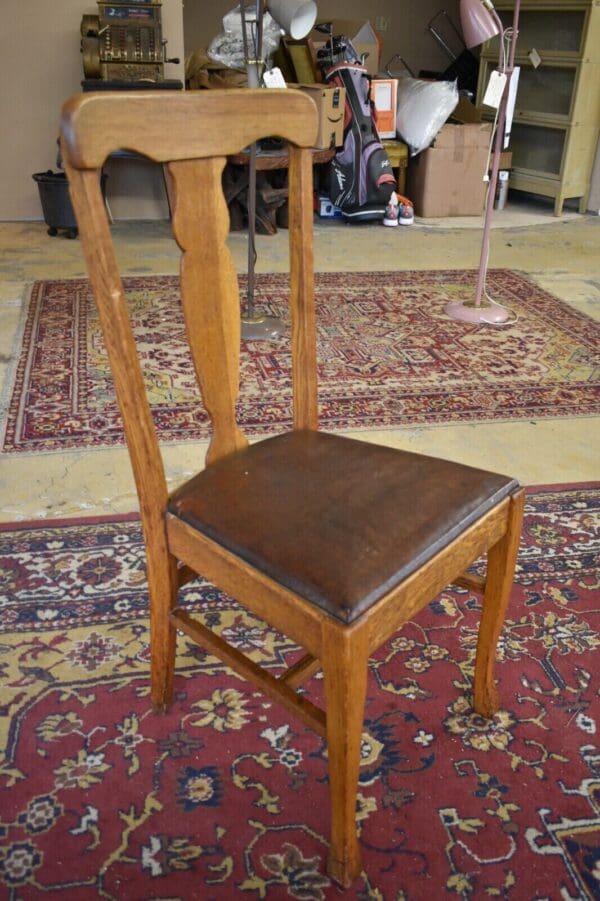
[124, 42]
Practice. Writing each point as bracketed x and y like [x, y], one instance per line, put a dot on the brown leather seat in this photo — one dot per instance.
[333, 541]
[340, 522]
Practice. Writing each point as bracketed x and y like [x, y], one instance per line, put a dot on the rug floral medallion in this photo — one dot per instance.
[226, 795]
[389, 356]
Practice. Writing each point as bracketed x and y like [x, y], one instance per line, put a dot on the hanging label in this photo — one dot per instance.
[495, 89]
[274, 79]
[534, 58]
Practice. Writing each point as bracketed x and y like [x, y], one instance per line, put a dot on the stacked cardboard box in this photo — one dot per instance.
[447, 179]
[330, 102]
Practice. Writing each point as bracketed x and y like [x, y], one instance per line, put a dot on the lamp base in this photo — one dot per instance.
[484, 314]
[256, 327]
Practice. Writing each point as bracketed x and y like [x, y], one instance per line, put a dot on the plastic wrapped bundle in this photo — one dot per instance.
[423, 107]
[227, 48]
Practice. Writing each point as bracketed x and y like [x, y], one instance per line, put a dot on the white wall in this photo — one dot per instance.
[406, 34]
[40, 67]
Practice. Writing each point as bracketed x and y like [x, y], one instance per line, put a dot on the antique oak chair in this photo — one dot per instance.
[333, 541]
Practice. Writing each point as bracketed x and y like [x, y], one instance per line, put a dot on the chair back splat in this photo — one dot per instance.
[335, 542]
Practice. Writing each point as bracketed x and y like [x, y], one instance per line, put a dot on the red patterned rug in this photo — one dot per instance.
[389, 357]
[226, 796]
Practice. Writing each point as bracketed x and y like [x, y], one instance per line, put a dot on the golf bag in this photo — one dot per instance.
[361, 179]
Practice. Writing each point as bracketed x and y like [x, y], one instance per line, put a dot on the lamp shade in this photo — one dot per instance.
[478, 24]
[296, 17]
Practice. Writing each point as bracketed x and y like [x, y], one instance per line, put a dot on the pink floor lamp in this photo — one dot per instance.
[480, 22]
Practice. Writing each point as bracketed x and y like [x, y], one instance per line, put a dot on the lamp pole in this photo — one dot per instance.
[480, 310]
[498, 143]
[255, 326]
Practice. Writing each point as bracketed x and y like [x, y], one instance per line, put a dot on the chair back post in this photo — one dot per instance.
[140, 434]
[302, 299]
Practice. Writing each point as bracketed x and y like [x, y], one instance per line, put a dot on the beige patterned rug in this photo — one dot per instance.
[389, 356]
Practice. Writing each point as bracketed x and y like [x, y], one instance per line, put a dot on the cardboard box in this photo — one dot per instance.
[505, 160]
[330, 103]
[361, 33]
[466, 112]
[447, 178]
[384, 92]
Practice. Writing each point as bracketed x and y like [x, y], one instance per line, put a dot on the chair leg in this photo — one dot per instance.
[162, 588]
[500, 573]
[345, 661]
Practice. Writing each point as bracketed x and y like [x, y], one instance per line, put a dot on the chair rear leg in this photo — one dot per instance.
[500, 574]
[162, 588]
[345, 661]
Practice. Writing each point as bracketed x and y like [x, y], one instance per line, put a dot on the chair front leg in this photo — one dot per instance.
[162, 589]
[345, 662]
[500, 574]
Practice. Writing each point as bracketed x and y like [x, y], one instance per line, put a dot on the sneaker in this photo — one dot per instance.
[406, 212]
[392, 211]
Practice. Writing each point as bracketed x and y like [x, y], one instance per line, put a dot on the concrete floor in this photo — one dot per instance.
[561, 255]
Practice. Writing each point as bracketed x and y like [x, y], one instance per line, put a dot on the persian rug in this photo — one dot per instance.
[226, 795]
[388, 357]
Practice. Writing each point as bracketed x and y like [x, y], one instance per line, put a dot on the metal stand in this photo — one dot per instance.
[481, 310]
[255, 326]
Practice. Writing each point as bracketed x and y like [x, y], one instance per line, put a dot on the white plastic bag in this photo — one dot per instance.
[423, 107]
[227, 48]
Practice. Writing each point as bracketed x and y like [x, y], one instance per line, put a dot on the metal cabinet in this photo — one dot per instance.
[557, 114]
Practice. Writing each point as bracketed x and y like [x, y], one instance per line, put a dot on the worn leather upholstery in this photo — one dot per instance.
[283, 505]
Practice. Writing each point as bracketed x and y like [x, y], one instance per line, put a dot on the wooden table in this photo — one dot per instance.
[397, 152]
[271, 187]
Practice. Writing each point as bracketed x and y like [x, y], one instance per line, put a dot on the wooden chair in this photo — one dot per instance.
[333, 541]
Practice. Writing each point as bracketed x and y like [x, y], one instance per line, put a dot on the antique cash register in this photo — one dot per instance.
[124, 42]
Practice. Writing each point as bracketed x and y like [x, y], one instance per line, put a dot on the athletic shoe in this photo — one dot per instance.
[392, 211]
[406, 212]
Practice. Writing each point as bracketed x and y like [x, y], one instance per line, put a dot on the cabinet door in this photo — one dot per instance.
[544, 94]
[537, 148]
[546, 91]
[555, 31]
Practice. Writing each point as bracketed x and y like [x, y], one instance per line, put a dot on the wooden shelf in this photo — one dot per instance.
[557, 113]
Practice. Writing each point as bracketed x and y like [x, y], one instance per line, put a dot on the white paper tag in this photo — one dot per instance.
[495, 89]
[534, 57]
[274, 79]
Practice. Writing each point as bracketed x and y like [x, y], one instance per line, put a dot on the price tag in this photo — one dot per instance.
[534, 57]
[495, 89]
[274, 79]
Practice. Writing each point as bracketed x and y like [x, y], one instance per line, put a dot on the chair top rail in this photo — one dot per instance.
[164, 126]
